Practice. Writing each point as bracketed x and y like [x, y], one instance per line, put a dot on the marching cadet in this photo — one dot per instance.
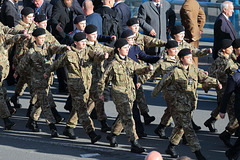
[184, 80]
[162, 67]
[220, 69]
[121, 72]
[143, 41]
[136, 54]
[7, 41]
[79, 64]
[28, 25]
[38, 59]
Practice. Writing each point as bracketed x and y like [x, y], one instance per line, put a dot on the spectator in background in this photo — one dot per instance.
[154, 155]
[10, 14]
[41, 7]
[223, 27]
[91, 17]
[193, 19]
[111, 22]
[153, 17]
[123, 11]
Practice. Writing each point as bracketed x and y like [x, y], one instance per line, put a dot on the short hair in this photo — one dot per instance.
[225, 5]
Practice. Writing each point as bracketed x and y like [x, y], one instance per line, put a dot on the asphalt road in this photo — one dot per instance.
[21, 144]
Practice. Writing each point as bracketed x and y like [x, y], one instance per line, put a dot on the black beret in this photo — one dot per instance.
[120, 42]
[79, 36]
[127, 33]
[38, 32]
[79, 18]
[177, 29]
[238, 60]
[171, 44]
[236, 43]
[40, 18]
[226, 43]
[90, 29]
[183, 52]
[26, 11]
[132, 21]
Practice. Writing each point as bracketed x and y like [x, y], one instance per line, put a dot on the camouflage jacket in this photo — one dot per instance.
[195, 51]
[144, 41]
[120, 73]
[79, 64]
[23, 47]
[185, 84]
[39, 59]
[163, 66]
[7, 41]
[6, 30]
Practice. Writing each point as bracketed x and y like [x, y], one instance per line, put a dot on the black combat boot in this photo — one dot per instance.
[237, 132]
[32, 125]
[160, 131]
[105, 126]
[136, 147]
[29, 110]
[94, 137]
[225, 137]
[56, 115]
[93, 114]
[210, 124]
[53, 130]
[171, 151]
[15, 100]
[233, 152]
[148, 119]
[10, 108]
[69, 132]
[8, 124]
[195, 127]
[199, 155]
[112, 138]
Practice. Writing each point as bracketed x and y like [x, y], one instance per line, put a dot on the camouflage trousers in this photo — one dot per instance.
[167, 116]
[125, 121]
[94, 101]
[4, 112]
[183, 125]
[80, 101]
[233, 123]
[42, 104]
[141, 101]
[24, 82]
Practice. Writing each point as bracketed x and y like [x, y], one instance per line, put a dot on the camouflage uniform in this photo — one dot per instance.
[144, 41]
[39, 59]
[121, 73]
[184, 85]
[79, 65]
[97, 71]
[6, 30]
[7, 41]
[220, 69]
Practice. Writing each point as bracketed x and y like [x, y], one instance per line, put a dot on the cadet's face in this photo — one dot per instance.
[237, 51]
[157, 1]
[172, 51]
[42, 24]
[92, 37]
[130, 40]
[179, 36]
[81, 25]
[134, 28]
[28, 19]
[228, 50]
[124, 50]
[40, 39]
[187, 60]
[80, 44]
